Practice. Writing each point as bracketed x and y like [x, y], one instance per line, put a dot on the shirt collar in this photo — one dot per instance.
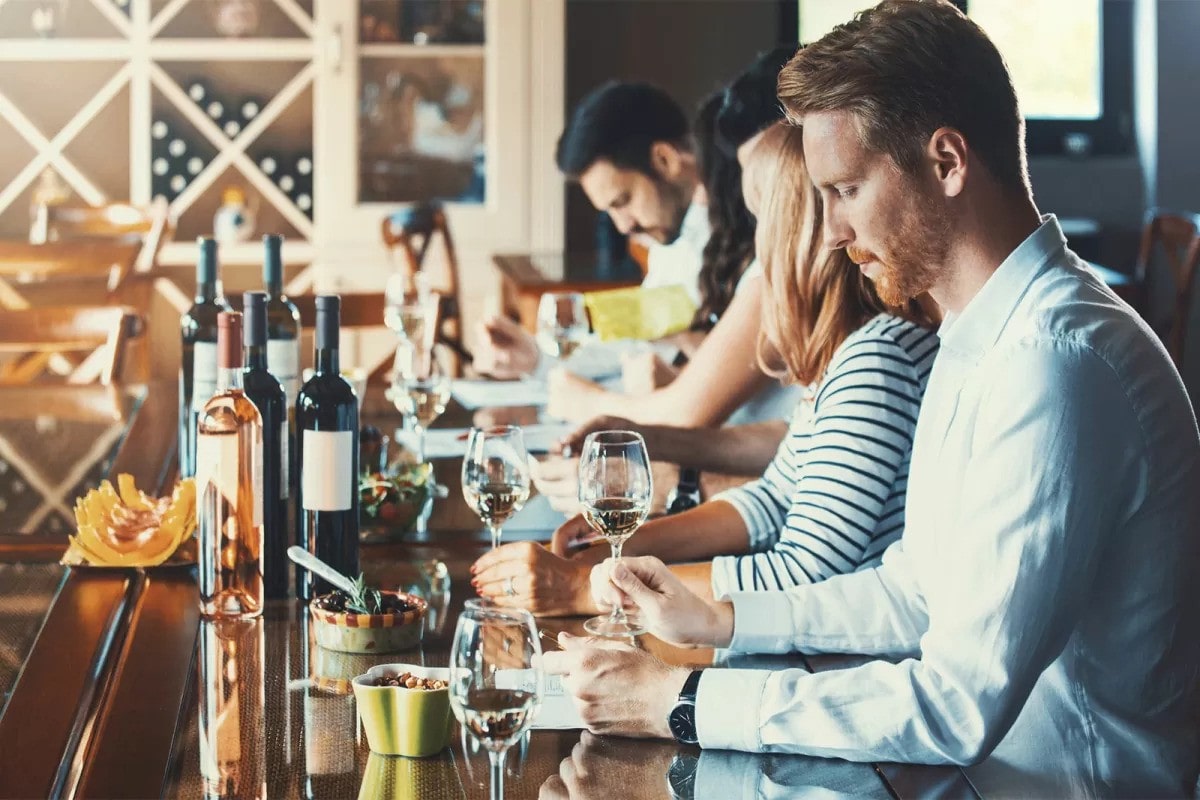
[977, 327]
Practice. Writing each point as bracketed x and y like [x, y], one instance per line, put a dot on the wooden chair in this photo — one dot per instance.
[149, 228]
[33, 336]
[411, 232]
[1177, 238]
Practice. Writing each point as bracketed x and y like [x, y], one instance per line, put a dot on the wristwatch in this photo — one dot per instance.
[682, 719]
[681, 776]
[686, 493]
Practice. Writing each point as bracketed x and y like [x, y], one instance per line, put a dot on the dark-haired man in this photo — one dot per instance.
[628, 147]
[1042, 606]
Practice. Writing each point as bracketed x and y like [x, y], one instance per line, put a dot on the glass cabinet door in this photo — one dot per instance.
[432, 94]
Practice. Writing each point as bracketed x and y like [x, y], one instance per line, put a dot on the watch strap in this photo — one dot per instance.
[690, 687]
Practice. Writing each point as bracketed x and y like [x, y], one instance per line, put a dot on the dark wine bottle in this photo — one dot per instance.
[283, 320]
[198, 368]
[267, 395]
[327, 455]
[249, 108]
[198, 91]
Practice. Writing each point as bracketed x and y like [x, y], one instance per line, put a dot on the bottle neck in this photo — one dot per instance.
[208, 291]
[230, 378]
[255, 357]
[326, 361]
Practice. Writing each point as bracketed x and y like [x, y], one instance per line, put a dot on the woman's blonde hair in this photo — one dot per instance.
[814, 298]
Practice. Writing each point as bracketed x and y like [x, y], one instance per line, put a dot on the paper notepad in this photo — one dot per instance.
[637, 313]
[499, 394]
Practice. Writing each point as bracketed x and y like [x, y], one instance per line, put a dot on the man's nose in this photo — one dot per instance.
[837, 233]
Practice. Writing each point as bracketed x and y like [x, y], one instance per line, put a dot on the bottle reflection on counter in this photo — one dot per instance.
[232, 750]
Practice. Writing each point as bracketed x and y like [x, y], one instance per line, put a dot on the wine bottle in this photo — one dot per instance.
[232, 715]
[231, 124]
[267, 395]
[249, 109]
[327, 455]
[229, 487]
[215, 110]
[198, 367]
[283, 320]
[198, 91]
[269, 164]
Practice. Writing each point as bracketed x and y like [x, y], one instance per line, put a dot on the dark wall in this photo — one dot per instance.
[688, 47]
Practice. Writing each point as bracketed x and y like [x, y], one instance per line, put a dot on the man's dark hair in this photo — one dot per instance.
[751, 103]
[618, 122]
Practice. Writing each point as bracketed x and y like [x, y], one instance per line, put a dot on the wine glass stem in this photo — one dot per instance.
[497, 762]
[617, 616]
[495, 529]
[419, 429]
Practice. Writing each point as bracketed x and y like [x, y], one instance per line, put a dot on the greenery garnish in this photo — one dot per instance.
[364, 600]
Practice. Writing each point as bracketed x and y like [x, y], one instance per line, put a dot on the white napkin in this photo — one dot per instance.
[474, 394]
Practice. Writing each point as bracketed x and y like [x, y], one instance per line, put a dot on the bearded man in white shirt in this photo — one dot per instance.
[1041, 614]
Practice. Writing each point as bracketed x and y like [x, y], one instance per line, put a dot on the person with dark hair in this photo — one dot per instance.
[1039, 618]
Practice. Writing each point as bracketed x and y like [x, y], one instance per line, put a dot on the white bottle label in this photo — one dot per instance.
[285, 466]
[283, 361]
[217, 464]
[327, 474]
[204, 373]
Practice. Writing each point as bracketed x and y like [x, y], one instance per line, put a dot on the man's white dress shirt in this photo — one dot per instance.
[1044, 597]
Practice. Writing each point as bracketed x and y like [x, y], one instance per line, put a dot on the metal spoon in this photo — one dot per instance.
[319, 568]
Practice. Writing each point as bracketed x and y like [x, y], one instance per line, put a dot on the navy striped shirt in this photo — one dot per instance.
[832, 499]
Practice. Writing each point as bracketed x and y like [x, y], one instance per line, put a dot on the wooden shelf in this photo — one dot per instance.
[404, 50]
[245, 253]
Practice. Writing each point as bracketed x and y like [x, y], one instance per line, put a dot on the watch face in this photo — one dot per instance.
[682, 722]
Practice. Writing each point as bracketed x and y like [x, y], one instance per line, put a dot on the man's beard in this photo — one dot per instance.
[677, 199]
[913, 255]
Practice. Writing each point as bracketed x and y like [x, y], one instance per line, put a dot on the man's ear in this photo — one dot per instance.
[947, 155]
[666, 159]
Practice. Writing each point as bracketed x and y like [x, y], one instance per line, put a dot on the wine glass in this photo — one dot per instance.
[411, 309]
[562, 323]
[420, 389]
[495, 475]
[615, 490]
[496, 678]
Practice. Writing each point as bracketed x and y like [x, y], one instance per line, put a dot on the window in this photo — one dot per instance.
[1071, 61]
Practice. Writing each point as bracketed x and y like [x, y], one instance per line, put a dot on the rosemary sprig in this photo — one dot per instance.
[365, 600]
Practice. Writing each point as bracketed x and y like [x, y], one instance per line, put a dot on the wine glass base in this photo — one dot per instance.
[606, 628]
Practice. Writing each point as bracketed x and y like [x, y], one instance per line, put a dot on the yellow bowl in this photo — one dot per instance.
[404, 722]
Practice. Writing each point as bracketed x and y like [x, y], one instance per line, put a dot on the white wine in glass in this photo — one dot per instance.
[615, 490]
[562, 323]
[496, 678]
[495, 475]
[420, 390]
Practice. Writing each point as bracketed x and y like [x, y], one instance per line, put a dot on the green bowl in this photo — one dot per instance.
[404, 722]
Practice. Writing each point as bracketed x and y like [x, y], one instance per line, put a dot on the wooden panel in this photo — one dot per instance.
[49, 711]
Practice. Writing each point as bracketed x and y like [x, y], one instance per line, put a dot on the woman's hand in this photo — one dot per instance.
[664, 605]
[557, 478]
[570, 396]
[578, 541]
[540, 581]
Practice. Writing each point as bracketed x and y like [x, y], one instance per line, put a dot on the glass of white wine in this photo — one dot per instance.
[411, 309]
[496, 679]
[420, 390]
[615, 490]
[495, 475]
[562, 323]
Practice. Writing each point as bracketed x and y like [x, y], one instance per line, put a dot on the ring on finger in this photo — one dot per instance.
[509, 588]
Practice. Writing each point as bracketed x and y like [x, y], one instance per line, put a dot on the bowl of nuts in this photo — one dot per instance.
[369, 621]
[405, 709]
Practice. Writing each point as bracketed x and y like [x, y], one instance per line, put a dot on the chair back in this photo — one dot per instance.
[30, 339]
[410, 233]
[1177, 238]
[148, 228]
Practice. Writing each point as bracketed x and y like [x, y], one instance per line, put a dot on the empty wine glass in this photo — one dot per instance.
[496, 678]
[420, 389]
[495, 475]
[562, 323]
[615, 490]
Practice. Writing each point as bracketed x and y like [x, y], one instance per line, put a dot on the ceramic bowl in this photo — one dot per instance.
[404, 722]
[348, 632]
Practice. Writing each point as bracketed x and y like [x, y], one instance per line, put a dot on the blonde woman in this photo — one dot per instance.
[832, 500]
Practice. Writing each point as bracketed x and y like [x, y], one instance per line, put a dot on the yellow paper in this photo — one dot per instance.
[637, 313]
